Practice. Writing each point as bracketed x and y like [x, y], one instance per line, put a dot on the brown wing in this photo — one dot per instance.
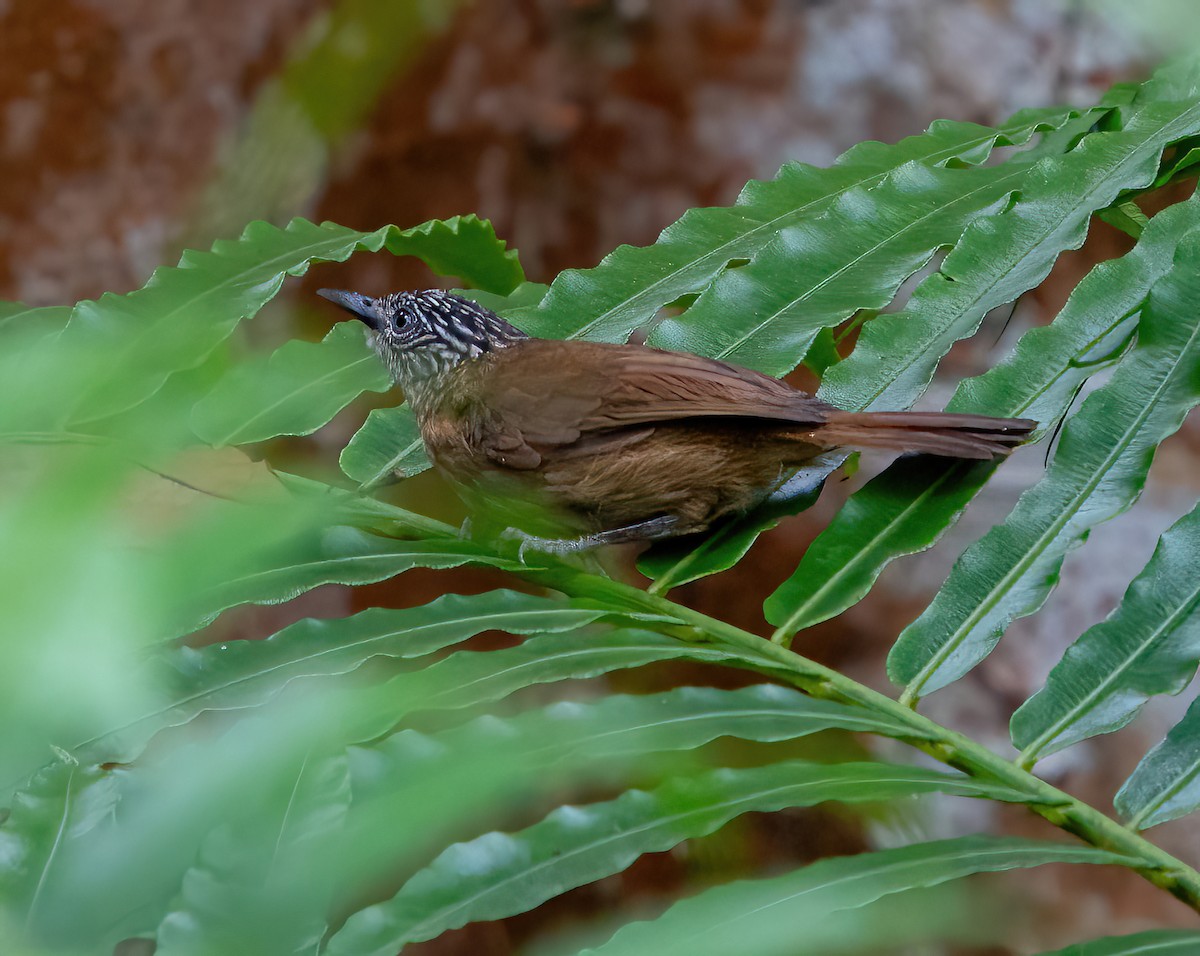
[591, 396]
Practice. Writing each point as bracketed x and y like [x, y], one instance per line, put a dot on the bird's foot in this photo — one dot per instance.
[532, 542]
[662, 526]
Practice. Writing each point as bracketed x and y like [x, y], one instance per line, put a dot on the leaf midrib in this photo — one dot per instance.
[866, 253]
[987, 604]
[1184, 609]
[933, 158]
[918, 353]
[726, 809]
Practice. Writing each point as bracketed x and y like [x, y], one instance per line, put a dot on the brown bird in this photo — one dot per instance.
[592, 444]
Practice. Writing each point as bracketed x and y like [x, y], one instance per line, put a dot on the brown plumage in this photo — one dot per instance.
[619, 442]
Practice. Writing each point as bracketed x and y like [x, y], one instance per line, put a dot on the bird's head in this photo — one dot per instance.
[422, 335]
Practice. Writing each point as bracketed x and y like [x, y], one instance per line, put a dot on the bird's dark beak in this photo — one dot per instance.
[362, 307]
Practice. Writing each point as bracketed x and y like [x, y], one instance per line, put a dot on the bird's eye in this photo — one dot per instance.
[399, 320]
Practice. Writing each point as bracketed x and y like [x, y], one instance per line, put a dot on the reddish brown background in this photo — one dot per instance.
[131, 128]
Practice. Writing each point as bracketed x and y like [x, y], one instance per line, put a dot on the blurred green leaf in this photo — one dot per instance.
[248, 673]
[293, 391]
[1149, 645]
[255, 888]
[500, 874]
[23, 324]
[337, 77]
[772, 916]
[62, 801]
[339, 555]
[1161, 942]
[182, 314]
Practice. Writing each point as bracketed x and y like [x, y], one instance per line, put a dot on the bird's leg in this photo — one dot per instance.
[662, 526]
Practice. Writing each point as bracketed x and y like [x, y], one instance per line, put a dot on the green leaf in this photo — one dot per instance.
[526, 295]
[499, 875]
[1149, 645]
[880, 522]
[999, 257]
[763, 916]
[1166, 784]
[1158, 942]
[1125, 215]
[339, 555]
[293, 391]
[908, 507]
[549, 746]
[631, 284]
[469, 678]
[1182, 165]
[248, 673]
[62, 801]
[681, 719]
[182, 314]
[261, 887]
[388, 443]
[1097, 473]
[30, 323]
[817, 273]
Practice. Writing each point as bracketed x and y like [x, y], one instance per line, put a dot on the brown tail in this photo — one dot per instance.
[930, 433]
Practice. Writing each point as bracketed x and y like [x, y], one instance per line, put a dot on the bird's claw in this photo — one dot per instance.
[532, 542]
